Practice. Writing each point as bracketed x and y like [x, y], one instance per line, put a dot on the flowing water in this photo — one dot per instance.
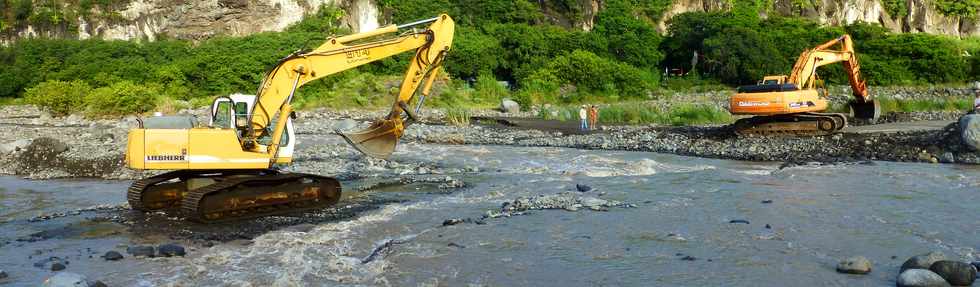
[791, 227]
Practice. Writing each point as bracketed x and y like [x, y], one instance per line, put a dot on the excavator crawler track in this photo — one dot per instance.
[800, 124]
[148, 194]
[213, 196]
[249, 196]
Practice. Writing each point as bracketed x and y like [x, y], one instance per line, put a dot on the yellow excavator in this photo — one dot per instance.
[793, 104]
[228, 169]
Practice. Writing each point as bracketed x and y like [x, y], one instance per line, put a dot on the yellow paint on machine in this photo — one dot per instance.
[212, 149]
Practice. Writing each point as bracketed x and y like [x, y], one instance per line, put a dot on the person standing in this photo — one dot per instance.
[593, 116]
[583, 115]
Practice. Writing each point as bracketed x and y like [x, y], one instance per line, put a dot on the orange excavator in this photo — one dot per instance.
[794, 104]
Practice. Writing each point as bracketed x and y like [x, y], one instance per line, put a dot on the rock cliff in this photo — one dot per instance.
[201, 19]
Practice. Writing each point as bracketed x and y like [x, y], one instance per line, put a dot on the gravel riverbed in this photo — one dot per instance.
[39, 146]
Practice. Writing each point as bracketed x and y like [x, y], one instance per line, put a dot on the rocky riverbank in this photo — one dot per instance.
[38, 146]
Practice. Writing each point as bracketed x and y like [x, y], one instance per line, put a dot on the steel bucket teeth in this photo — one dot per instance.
[378, 140]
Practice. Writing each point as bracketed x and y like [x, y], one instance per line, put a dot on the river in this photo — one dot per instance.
[694, 222]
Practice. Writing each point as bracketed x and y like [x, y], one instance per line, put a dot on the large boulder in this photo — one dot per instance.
[66, 279]
[955, 272]
[970, 131]
[921, 278]
[14, 146]
[509, 106]
[923, 261]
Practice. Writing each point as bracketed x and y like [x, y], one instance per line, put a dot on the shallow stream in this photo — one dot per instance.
[696, 222]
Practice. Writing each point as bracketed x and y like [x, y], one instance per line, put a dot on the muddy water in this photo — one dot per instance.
[678, 233]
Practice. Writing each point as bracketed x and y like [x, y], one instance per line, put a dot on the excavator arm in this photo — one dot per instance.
[343, 53]
[805, 70]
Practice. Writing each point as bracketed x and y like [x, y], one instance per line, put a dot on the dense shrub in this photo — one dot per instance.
[739, 49]
[121, 98]
[58, 97]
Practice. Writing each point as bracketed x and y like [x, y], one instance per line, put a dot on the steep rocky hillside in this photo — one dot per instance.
[199, 19]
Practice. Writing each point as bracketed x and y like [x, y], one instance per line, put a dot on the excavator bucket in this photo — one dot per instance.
[378, 140]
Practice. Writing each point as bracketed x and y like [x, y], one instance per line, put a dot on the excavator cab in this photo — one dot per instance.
[773, 80]
[231, 112]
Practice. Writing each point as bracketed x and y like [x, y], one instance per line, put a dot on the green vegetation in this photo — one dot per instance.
[640, 113]
[893, 105]
[889, 105]
[740, 49]
[962, 8]
[620, 60]
[459, 117]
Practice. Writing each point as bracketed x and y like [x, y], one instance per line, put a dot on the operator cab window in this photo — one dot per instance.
[221, 115]
[241, 115]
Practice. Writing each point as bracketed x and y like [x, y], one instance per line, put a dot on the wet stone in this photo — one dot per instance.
[955, 272]
[923, 261]
[170, 250]
[57, 266]
[854, 265]
[141, 251]
[3, 275]
[583, 188]
[921, 278]
[112, 256]
[98, 284]
[453, 221]
[742, 221]
[66, 279]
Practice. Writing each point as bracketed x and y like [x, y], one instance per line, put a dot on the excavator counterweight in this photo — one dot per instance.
[794, 104]
[228, 169]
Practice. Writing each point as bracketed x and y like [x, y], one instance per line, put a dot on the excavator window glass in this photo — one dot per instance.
[222, 115]
[241, 114]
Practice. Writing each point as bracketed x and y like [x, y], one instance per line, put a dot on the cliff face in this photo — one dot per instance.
[201, 19]
[920, 16]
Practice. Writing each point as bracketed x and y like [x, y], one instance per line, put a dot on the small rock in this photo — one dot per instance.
[923, 261]
[767, 201]
[583, 188]
[141, 251]
[739, 221]
[66, 279]
[112, 256]
[170, 250]
[920, 278]
[955, 272]
[98, 284]
[453, 244]
[3, 274]
[57, 266]
[768, 226]
[453, 221]
[689, 258]
[593, 203]
[854, 265]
